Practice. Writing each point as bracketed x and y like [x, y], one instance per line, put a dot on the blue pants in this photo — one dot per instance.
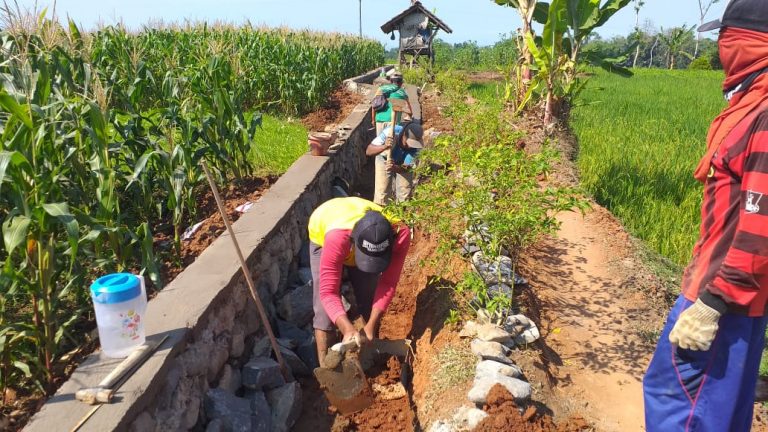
[705, 391]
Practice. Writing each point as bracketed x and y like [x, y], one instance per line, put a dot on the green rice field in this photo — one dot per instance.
[640, 139]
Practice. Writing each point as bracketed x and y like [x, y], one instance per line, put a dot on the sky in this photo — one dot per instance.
[483, 21]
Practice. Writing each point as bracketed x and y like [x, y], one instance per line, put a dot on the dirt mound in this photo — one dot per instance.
[505, 416]
[383, 415]
[335, 109]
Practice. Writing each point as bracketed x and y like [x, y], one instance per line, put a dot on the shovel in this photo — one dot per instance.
[343, 381]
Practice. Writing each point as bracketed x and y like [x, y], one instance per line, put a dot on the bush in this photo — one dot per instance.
[701, 63]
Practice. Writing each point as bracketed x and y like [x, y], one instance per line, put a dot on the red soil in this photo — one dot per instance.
[335, 109]
[504, 416]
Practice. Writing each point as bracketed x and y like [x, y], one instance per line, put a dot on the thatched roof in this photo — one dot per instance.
[392, 24]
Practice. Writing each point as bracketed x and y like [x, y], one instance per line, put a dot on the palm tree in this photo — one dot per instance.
[675, 39]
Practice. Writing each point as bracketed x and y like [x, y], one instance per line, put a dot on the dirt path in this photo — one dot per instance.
[590, 319]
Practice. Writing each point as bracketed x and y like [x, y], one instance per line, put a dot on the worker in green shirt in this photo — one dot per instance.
[394, 90]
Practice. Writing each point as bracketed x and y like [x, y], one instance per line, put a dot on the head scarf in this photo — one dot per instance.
[742, 52]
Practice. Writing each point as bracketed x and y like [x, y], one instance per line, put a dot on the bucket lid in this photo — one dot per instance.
[115, 288]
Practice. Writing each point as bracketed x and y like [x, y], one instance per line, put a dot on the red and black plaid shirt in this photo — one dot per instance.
[729, 269]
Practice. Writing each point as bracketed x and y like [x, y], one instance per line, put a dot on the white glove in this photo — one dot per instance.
[696, 327]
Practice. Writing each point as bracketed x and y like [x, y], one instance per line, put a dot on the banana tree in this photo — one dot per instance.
[559, 51]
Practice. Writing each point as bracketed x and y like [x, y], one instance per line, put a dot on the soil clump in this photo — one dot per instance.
[505, 416]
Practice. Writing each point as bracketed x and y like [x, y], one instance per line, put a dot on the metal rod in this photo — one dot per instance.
[247, 273]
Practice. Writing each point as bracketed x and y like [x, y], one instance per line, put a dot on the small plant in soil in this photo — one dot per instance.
[478, 176]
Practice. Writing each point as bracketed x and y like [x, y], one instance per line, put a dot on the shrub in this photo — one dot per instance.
[701, 63]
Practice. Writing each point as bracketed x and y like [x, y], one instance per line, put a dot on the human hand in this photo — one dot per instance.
[355, 339]
[370, 332]
[696, 327]
[388, 142]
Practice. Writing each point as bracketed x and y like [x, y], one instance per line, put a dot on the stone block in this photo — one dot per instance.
[191, 414]
[307, 351]
[467, 418]
[237, 346]
[271, 277]
[230, 379]
[233, 412]
[285, 402]
[294, 362]
[261, 348]
[493, 333]
[519, 389]
[262, 373]
[143, 423]
[288, 330]
[262, 413]
[488, 368]
[305, 275]
[490, 351]
[218, 357]
[296, 306]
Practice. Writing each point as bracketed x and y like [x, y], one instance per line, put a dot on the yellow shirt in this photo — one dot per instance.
[343, 214]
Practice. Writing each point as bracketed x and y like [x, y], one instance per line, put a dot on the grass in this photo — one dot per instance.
[639, 142]
[277, 145]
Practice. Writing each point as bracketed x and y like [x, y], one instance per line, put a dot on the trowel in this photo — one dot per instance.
[344, 381]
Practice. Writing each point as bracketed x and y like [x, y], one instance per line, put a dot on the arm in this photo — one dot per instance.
[744, 271]
[385, 291]
[374, 150]
[335, 250]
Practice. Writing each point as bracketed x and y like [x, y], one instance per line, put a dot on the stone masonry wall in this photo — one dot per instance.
[216, 343]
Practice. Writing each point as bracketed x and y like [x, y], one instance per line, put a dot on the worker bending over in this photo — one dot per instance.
[353, 234]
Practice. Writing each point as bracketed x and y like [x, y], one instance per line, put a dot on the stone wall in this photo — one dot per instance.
[214, 372]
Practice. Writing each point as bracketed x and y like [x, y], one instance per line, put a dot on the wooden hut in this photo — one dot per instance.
[417, 28]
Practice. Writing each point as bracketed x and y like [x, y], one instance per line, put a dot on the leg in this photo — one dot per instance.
[382, 182]
[325, 331]
[364, 285]
[705, 391]
[404, 185]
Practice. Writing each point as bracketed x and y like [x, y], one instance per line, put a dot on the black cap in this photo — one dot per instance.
[746, 14]
[373, 239]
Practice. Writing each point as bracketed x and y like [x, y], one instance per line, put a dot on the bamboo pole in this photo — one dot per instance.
[247, 273]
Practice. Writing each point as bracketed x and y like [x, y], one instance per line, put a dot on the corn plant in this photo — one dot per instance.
[101, 138]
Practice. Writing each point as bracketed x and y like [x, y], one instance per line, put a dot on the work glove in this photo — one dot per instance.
[696, 327]
[336, 354]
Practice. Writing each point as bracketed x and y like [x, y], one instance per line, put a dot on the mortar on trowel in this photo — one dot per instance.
[343, 376]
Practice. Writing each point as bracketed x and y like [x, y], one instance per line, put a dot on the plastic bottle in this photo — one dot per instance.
[120, 301]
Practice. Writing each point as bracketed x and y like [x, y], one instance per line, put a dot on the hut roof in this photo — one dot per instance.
[416, 6]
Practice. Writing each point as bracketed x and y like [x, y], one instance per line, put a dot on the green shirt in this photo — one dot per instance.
[393, 91]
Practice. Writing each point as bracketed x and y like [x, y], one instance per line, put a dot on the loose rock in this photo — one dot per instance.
[230, 379]
[519, 389]
[491, 351]
[305, 275]
[296, 305]
[262, 373]
[307, 352]
[467, 418]
[490, 368]
[262, 348]
[234, 413]
[286, 406]
[262, 413]
[298, 368]
[469, 330]
[524, 329]
[288, 330]
[492, 333]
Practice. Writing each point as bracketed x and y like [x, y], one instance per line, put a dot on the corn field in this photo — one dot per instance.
[102, 137]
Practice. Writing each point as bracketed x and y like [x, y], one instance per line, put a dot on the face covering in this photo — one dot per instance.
[743, 53]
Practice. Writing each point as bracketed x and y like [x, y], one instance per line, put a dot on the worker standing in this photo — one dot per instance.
[393, 172]
[353, 234]
[703, 374]
[393, 90]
